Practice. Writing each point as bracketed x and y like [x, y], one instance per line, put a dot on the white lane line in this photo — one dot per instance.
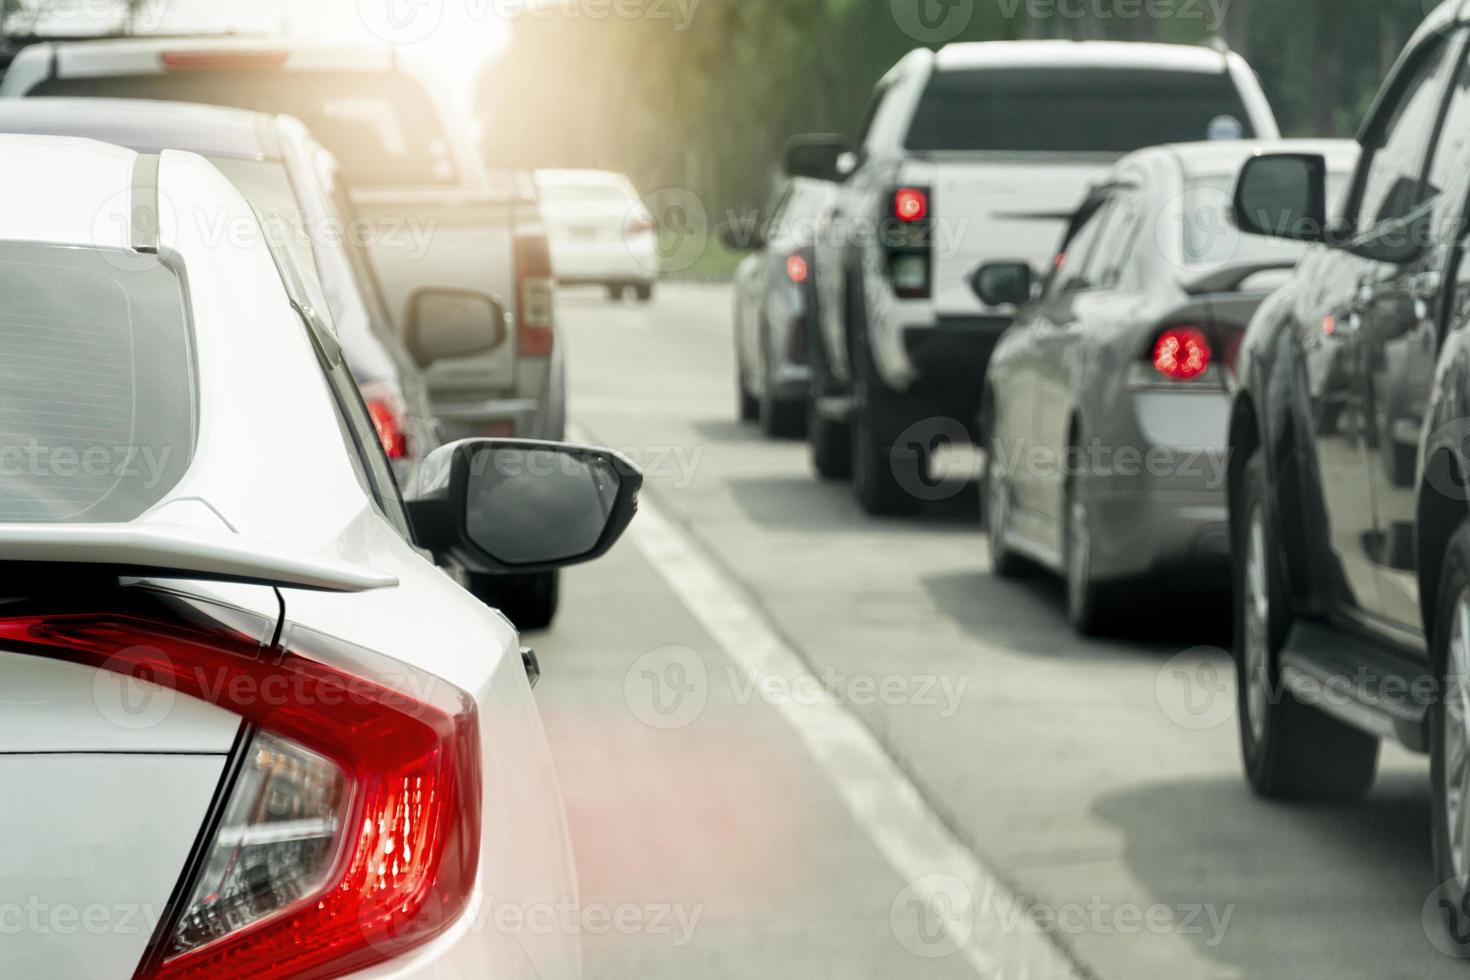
[979, 915]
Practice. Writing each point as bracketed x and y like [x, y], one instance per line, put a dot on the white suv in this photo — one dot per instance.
[973, 154]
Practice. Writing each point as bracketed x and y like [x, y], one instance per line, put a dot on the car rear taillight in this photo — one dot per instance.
[639, 223]
[1182, 353]
[910, 204]
[222, 60]
[389, 414]
[535, 296]
[349, 831]
[797, 270]
[907, 242]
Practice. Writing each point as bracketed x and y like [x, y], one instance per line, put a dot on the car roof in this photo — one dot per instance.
[1080, 54]
[66, 191]
[148, 127]
[1212, 157]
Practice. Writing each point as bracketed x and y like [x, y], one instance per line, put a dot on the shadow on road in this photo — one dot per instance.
[1367, 870]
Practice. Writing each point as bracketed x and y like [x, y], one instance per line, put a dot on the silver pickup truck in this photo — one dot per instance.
[429, 213]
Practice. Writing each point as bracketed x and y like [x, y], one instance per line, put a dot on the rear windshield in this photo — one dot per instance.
[383, 128]
[1210, 236]
[1089, 110]
[96, 385]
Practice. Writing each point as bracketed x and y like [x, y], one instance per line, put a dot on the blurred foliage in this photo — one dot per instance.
[709, 107]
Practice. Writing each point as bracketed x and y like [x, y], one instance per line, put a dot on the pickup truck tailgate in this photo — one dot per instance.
[996, 209]
[456, 240]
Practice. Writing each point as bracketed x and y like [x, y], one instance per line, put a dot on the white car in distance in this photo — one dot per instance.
[244, 708]
[600, 231]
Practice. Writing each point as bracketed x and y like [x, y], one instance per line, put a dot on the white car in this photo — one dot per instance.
[601, 233]
[977, 153]
[250, 729]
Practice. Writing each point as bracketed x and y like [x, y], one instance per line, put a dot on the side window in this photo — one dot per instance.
[1080, 250]
[1392, 187]
[1116, 245]
[361, 439]
[1447, 183]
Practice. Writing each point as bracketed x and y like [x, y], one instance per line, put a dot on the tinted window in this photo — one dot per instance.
[1451, 163]
[1078, 250]
[1079, 110]
[1392, 187]
[382, 127]
[96, 385]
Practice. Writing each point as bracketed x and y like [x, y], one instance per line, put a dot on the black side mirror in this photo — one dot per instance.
[814, 156]
[503, 505]
[1004, 283]
[448, 324]
[742, 236]
[1283, 195]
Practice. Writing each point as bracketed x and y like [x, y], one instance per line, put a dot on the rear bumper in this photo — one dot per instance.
[1157, 486]
[949, 359]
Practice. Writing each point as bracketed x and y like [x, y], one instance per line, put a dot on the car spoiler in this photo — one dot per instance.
[1230, 278]
[175, 551]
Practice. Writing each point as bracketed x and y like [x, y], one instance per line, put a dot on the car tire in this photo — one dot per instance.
[528, 601]
[615, 292]
[779, 419]
[748, 407]
[830, 443]
[644, 292]
[995, 509]
[1088, 600]
[1291, 750]
[880, 468]
[1449, 730]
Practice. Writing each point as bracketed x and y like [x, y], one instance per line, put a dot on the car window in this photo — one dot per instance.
[1073, 110]
[366, 450]
[382, 126]
[1446, 186]
[1077, 252]
[97, 385]
[1392, 185]
[1119, 239]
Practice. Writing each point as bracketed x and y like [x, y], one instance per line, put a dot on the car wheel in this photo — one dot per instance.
[779, 419]
[1085, 598]
[880, 468]
[995, 505]
[644, 291]
[831, 444]
[749, 407]
[1449, 738]
[615, 291]
[528, 601]
[1290, 750]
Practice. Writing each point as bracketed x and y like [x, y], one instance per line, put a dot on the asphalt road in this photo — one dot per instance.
[971, 790]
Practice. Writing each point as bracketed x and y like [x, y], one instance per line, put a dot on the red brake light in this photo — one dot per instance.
[796, 269]
[1182, 353]
[535, 297]
[222, 60]
[639, 224]
[386, 409]
[910, 204]
[369, 844]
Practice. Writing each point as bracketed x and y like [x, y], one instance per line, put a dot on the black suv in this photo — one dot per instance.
[1350, 448]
